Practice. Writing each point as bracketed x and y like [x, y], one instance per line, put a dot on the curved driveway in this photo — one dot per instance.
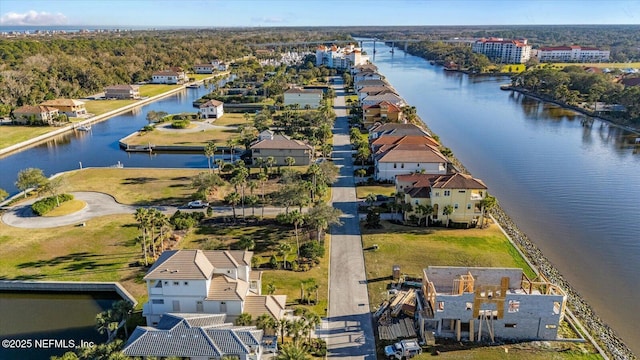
[98, 204]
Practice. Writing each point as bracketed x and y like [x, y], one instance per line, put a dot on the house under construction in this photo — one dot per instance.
[482, 304]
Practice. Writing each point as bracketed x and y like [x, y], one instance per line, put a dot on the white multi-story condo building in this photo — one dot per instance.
[505, 51]
[340, 58]
[573, 53]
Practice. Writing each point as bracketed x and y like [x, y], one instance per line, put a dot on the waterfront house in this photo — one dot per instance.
[364, 83]
[394, 129]
[573, 53]
[39, 113]
[374, 90]
[195, 336]
[69, 107]
[212, 109]
[208, 282]
[303, 97]
[390, 140]
[388, 97]
[383, 111]
[485, 304]
[122, 92]
[364, 67]
[282, 147]
[462, 192]
[393, 160]
[367, 75]
[203, 68]
[172, 77]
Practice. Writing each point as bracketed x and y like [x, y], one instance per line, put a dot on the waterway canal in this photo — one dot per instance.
[574, 190]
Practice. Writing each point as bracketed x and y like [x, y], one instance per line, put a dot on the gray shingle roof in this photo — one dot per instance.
[182, 339]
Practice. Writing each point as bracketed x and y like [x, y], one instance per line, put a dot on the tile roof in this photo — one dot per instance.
[423, 183]
[165, 73]
[211, 103]
[458, 181]
[384, 104]
[224, 288]
[419, 192]
[405, 139]
[62, 102]
[375, 82]
[122, 87]
[37, 109]
[281, 142]
[410, 153]
[265, 304]
[195, 264]
[179, 335]
[396, 129]
[390, 97]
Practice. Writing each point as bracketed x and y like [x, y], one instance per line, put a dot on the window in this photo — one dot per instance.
[395, 166]
[447, 193]
[510, 325]
[440, 305]
[469, 306]
[455, 206]
[166, 283]
[176, 305]
[417, 201]
[402, 166]
[437, 193]
[468, 206]
[199, 306]
[186, 283]
[176, 283]
[462, 191]
[157, 301]
[514, 306]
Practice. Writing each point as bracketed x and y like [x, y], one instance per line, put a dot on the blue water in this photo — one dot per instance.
[574, 190]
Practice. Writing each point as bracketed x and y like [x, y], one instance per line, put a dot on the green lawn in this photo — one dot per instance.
[98, 107]
[100, 251]
[364, 190]
[416, 248]
[11, 135]
[199, 138]
[232, 119]
[155, 89]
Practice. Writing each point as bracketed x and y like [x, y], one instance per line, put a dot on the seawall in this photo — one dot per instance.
[68, 286]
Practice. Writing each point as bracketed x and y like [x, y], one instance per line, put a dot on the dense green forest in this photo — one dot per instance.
[622, 40]
[34, 69]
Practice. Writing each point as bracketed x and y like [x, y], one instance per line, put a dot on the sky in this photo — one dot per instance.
[266, 13]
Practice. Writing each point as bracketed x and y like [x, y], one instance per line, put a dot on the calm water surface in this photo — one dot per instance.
[574, 190]
[68, 318]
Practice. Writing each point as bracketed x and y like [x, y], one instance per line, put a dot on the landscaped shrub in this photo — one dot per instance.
[312, 250]
[180, 124]
[184, 221]
[45, 205]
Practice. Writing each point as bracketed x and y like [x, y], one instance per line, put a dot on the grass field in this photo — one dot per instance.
[198, 138]
[232, 119]
[11, 135]
[66, 208]
[99, 107]
[99, 251]
[364, 190]
[150, 90]
[416, 248]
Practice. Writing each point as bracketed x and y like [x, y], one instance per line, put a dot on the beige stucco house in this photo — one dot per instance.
[281, 147]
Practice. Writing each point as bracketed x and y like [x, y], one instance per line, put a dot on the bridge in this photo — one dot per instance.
[360, 42]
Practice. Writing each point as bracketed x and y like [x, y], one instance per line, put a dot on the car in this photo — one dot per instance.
[197, 204]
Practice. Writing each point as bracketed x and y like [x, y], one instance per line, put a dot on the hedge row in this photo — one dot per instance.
[45, 205]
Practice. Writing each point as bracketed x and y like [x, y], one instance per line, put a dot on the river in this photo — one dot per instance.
[99, 147]
[574, 190]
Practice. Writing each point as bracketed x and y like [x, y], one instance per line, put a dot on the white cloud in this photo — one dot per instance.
[33, 17]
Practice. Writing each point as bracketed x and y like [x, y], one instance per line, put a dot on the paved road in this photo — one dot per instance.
[100, 204]
[348, 329]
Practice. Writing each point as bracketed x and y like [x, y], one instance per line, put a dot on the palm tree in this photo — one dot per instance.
[244, 319]
[162, 221]
[220, 164]
[312, 319]
[424, 211]
[370, 199]
[283, 250]
[230, 144]
[289, 161]
[246, 242]
[262, 178]
[446, 211]
[210, 152]
[297, 219]
[270, 162]
[105, 324]
[122, 310]
[488, 203]
[271, 288]
[293, 351]
[265, 322]
[283, 325]
[322, 216]
[260, 163]
[232, 199]
[142, 216]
